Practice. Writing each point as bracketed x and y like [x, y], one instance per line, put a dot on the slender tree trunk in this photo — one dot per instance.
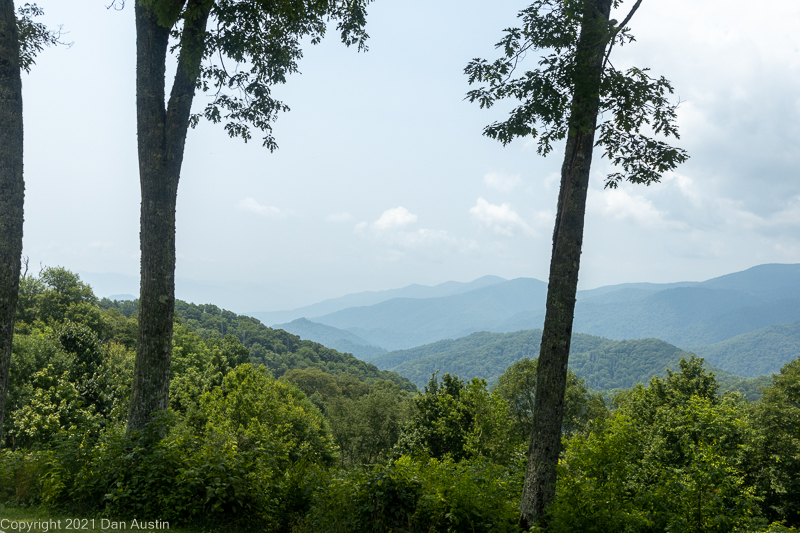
[161, 132]
[545, 445]
[12, 189]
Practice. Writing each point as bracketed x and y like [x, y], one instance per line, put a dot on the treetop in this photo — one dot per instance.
[635, 107]
[248, 46]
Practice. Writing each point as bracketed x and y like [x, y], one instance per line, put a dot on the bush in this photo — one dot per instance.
[669, 459]
[260, 440]
[21, 476]
[419, 495]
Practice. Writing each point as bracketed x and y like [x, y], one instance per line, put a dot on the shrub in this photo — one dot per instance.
[669, 459]
[419, 495]
[21, 476]
[259, 440]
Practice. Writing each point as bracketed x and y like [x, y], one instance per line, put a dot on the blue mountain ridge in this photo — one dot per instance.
[685, 314]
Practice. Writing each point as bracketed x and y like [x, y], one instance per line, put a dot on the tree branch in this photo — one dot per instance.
[183, 86]
[619, 29]
[628, 18]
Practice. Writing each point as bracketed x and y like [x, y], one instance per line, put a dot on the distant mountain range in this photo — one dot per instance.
[406, 322]
[732, 320]
[368, 298]
[338, 339]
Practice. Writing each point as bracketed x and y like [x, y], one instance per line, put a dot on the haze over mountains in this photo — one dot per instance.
[368, 298]
[731, 320]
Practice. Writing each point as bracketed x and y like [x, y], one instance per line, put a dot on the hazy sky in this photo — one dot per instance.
[383, 177]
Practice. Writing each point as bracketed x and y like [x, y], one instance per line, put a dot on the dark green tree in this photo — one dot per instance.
[20, 40]
[561, 99]
[671, 457]
[775, 448]
[237, 50]
[517, 386]
[366, 427]
[459, 420]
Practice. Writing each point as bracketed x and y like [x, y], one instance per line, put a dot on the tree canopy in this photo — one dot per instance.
[632, 102]
[248, 47]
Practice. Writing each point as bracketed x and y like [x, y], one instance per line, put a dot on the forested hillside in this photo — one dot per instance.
[605, 365]
[759, 352]
[277, 349]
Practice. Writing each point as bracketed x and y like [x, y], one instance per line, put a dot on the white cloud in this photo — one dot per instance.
[252, 206]
[432, 245]
[339, 217]
[499, 218]
[389, 232]
[619, 204]
[701, 204]
[732, 214]
[394, 218]
[501, 182]
[685, 184]
[422, 238]
[789, 216]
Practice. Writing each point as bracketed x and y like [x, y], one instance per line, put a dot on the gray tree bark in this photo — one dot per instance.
[12, 189]
[545, 445]
[161, 138]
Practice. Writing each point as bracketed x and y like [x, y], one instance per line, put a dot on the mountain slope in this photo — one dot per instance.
[692, 314]
[404, 322]
[759, 352]
[277, 349]
[338, 339]
[773, 281]
[604, 364]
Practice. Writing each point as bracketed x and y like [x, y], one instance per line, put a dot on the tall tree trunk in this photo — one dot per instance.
[12, 189]
[161, 132]
[545, 445]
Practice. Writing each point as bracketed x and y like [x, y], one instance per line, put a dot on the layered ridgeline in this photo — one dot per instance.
[604, 364]
[691, 315]
[402, 323]
[366, 298]
[338, 339]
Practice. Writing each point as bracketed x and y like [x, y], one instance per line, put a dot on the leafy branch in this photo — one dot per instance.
[634, 100]
[34, 36]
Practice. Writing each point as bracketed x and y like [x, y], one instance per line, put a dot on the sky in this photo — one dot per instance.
[383, 177]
